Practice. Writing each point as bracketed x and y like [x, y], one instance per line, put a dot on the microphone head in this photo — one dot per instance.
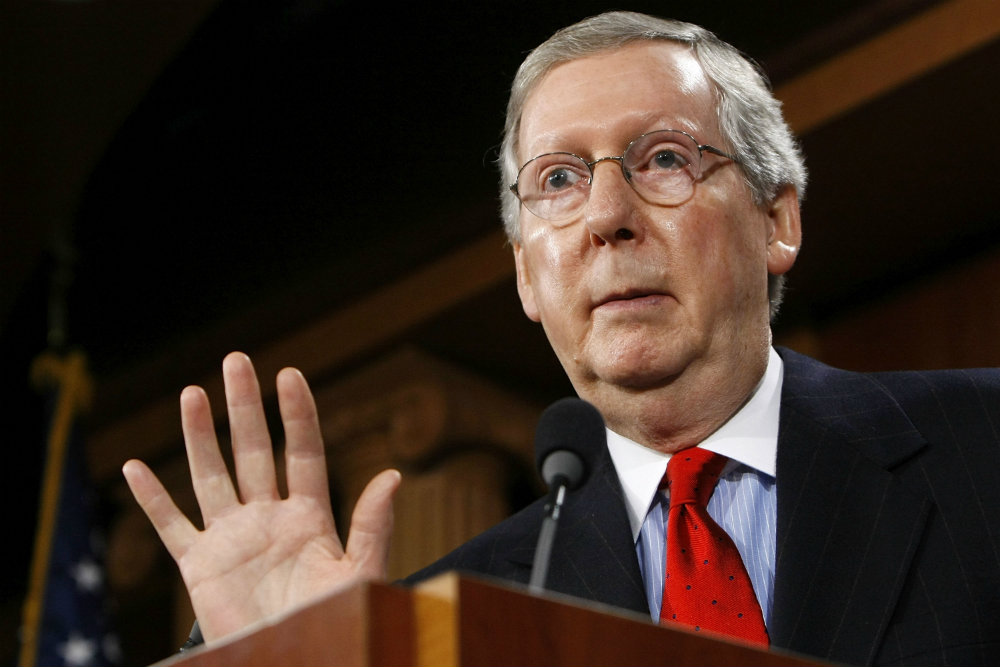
[569, 439]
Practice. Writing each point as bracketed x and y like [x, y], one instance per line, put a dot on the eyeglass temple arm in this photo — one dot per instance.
[716, 151]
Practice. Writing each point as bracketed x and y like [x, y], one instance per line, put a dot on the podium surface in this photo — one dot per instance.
[455, 620]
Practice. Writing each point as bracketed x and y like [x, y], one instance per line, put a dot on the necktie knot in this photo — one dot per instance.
[692, 475]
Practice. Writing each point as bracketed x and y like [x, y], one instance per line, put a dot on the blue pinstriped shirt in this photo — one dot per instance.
[744, 501]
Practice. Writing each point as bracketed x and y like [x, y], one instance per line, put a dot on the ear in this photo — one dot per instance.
[785, 234]
[524, 286]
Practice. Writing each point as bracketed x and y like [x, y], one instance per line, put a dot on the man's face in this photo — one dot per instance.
[633, 295]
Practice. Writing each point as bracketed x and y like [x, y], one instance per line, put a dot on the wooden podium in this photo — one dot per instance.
[453, 621]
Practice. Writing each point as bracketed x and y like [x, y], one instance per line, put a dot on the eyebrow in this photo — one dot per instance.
[651, 121]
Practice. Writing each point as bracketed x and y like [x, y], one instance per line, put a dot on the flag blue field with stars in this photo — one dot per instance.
[65, 620]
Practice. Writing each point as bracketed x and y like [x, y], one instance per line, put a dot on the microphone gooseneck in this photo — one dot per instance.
[569, 438]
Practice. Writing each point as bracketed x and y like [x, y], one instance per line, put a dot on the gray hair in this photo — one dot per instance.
[749, 116]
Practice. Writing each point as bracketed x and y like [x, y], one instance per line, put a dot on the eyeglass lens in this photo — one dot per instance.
[661, 166]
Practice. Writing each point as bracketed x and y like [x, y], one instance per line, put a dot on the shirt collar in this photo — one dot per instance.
[749, 437]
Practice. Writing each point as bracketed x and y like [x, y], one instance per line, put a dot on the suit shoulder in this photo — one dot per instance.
[961, 403]
[974, 381]
[943, 405]
[500, 551]
[913, 384]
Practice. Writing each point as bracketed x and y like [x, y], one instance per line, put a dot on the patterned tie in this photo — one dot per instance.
[706, 585]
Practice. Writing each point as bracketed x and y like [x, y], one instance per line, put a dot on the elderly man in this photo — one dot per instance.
[651, 192]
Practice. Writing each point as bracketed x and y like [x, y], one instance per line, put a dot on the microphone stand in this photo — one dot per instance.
[543, 551]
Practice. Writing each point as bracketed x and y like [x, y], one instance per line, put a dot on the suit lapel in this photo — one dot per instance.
[593, 556]
[847, 530]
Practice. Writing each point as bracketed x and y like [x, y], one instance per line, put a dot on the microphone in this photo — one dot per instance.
[569, 438]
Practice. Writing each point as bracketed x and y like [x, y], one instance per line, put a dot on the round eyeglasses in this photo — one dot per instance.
[661, 166]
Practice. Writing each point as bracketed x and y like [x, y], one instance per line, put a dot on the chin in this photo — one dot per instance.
[639, 372]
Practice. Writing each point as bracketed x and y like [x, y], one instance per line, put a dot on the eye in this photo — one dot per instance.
[560, 177]
[667, 159]
[662, 153]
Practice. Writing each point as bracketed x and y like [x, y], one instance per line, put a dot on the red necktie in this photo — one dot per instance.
[706, 585]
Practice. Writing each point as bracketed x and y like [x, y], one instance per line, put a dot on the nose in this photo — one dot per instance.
[610, 213]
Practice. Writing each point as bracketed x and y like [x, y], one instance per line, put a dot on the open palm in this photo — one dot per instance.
[260, 554]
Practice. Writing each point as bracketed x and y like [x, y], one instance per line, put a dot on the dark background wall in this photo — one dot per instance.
[222, 174]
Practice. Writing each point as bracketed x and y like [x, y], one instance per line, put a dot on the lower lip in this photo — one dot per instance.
[630, 305]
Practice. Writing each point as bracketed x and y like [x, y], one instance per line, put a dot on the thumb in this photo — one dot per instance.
[371, 526]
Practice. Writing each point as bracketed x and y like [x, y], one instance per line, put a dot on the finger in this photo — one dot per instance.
[213, 487]
[305, 457]
[174, 529]
[252, 452]
[371, 525]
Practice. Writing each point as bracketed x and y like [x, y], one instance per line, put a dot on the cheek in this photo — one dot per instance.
[702, 245]
[725, 251]
[730, 224]
[552, 264]
[557, 278]
[747, 257]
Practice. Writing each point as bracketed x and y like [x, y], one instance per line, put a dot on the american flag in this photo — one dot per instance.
[65, 619]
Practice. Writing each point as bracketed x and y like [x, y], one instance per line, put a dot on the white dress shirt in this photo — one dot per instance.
[743, 503]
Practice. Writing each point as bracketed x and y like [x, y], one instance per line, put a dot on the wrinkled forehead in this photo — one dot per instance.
[622, 92]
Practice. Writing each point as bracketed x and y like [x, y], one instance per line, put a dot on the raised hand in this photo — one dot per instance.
[260, 554]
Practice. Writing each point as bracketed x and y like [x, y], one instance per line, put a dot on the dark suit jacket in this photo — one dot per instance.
[888, 543]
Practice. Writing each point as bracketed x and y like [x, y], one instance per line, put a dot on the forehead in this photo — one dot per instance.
[616, 95]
